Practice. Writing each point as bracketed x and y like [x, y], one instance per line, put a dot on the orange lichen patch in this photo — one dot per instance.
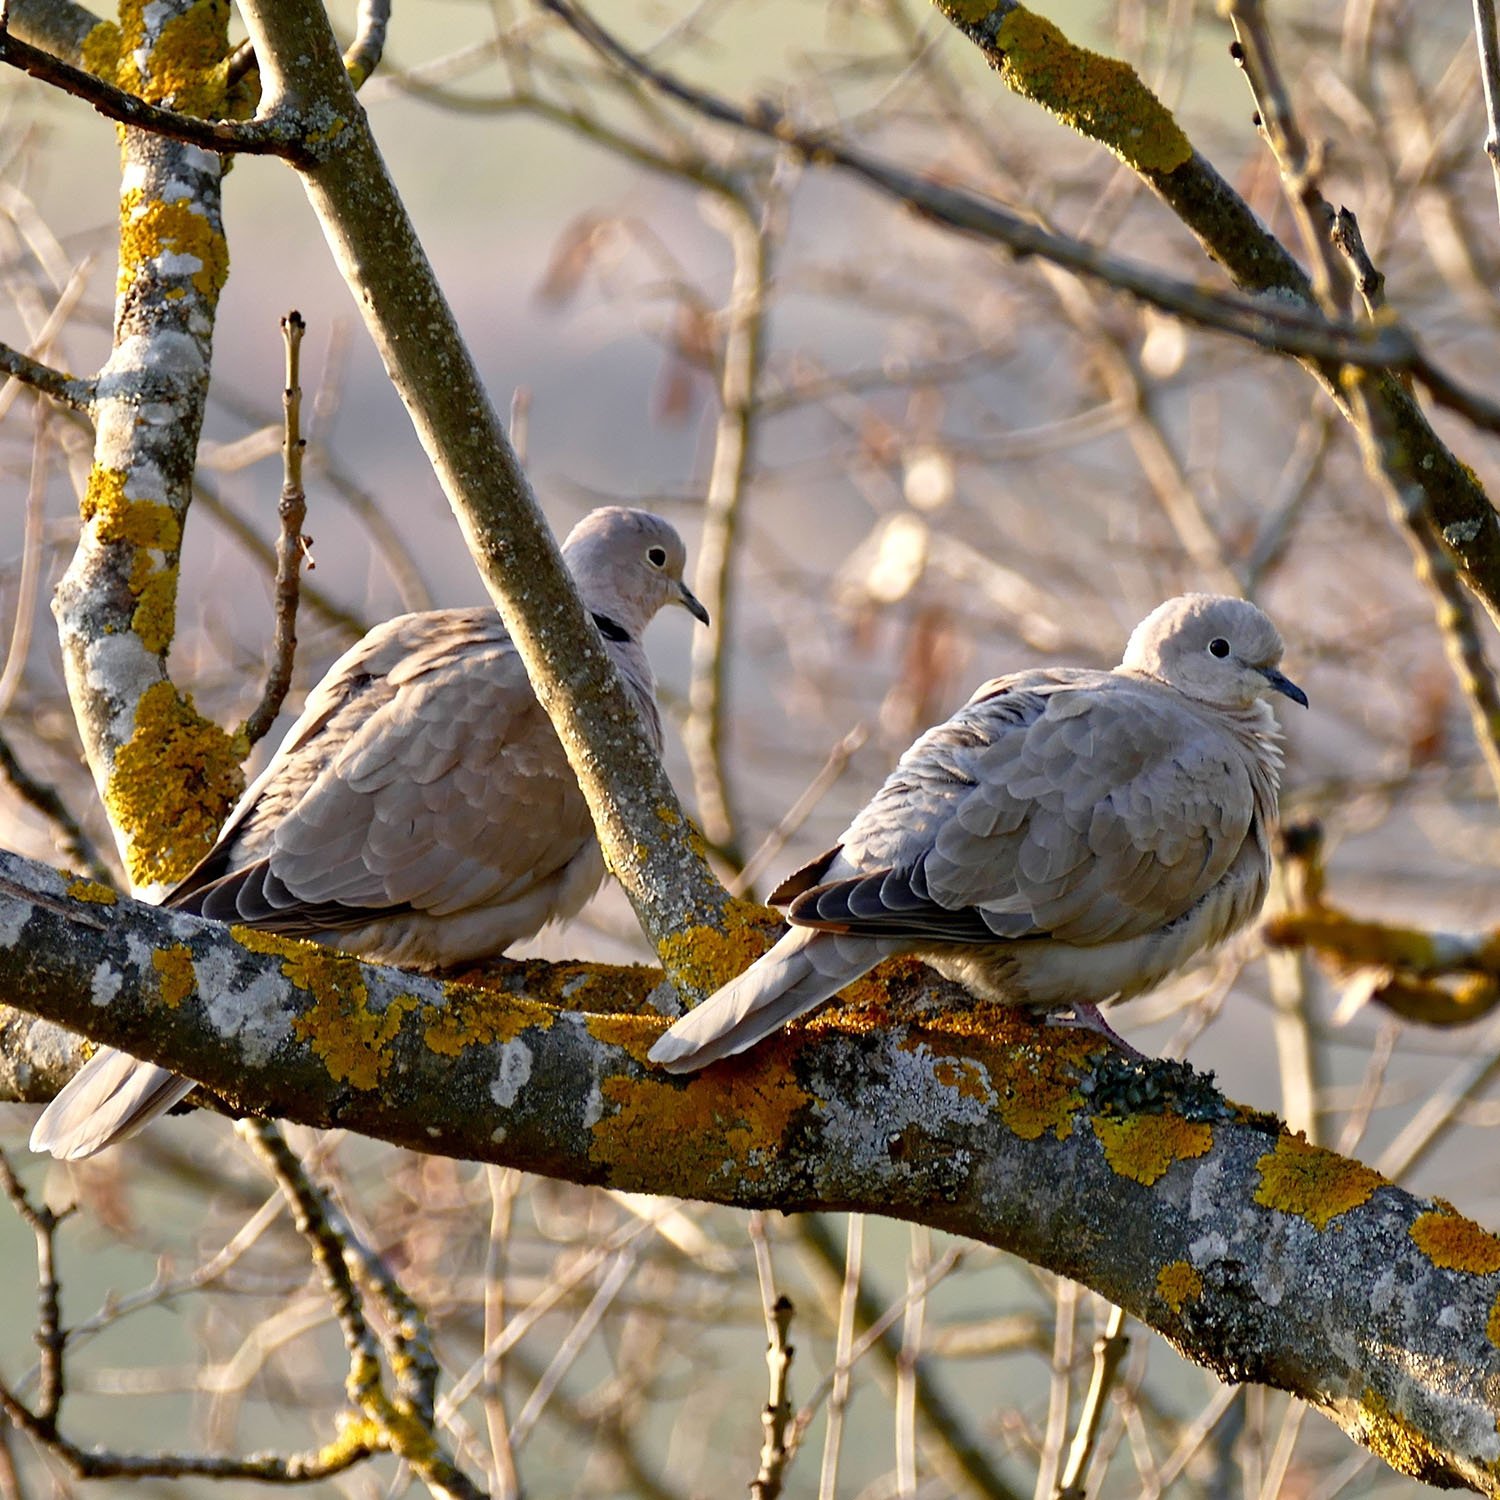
[1316, 1185]
[471, 1016]
[1177, 1284]
[150, 228]
[172, 784]
[174, 970]
[343, 1031]
[702, 958]
[92, 890]
[1453, 1243]
[141, 523]
[965, 1077]
[1142, 1147]
[725, 1124]
[1098, 96]
[1395, 1440]
[1037, 1094]
[1492, 1324]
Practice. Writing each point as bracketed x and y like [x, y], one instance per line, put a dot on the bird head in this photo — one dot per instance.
[1211, 647]
[628, 564]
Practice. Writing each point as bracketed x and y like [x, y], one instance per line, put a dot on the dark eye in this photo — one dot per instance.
[1218, 646]
[656, 556]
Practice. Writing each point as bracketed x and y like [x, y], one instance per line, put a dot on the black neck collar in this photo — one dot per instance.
[611, 630]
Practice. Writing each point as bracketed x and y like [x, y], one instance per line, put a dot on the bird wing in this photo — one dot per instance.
[423, 776]
[1083, 806]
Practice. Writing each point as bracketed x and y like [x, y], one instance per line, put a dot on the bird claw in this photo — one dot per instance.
[1084, 1017]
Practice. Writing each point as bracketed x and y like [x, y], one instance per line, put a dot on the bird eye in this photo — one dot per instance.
[656, 556]
[1218, 646]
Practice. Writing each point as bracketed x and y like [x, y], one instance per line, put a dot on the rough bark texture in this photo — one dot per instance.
[167, 775]
[1258, 1255]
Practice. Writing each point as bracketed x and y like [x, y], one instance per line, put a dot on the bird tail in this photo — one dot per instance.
[112, 1096]
[804, 969]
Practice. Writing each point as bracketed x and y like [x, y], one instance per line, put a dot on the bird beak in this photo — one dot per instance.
[1285, 685]
[689, 601]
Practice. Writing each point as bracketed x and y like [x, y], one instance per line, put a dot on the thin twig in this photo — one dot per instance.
[68, 389]
[50, 1335]
[734, 433]
[277, 135]
[838, 1394]
[292, 547]
[363, 54]
[1489, 73]
[777, 1416]
[1110, 1349]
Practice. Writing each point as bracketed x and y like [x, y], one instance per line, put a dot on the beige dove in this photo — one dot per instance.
[420, 812]
[1068, 837]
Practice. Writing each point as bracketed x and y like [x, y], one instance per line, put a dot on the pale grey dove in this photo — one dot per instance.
[1068, 837]
[421, 812]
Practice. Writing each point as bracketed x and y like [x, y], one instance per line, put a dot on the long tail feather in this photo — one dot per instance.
[804, 969]
[112, 1096]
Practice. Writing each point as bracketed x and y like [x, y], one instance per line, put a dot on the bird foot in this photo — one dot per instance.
[1090, 1018]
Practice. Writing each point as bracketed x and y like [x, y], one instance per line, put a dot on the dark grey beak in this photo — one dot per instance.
[1285, 685]
[689, 601]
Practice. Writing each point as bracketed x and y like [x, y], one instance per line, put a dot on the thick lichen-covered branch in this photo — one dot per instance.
[1260, 1256]
[166, 774]
[646, 840]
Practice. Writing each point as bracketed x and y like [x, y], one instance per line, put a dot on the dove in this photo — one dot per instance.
[1068, 837]
[420, 812]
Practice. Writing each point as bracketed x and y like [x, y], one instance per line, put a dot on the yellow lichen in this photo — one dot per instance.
[99, 52]
[186, 66]
[1395, 1440]
[1142, 1147]
[1098, 96]
[156, 610]
[150, 228]
[1037, 1095]
[172, 784]
[1312, 1183]
[1177, 1283]
[1453, 1243]
[732, 1124]
[174, 968]
[1492, 1323]
[92, 890]
[471, 1016]
[702, 958]
[341, 1028]
[141, 523]
[968, 12]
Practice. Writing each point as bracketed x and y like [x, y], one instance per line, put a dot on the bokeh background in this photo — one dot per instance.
[960, 465]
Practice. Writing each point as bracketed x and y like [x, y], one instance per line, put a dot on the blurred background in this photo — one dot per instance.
[957, 465]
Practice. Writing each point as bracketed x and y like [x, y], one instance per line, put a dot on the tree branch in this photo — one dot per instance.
[1258, 1255]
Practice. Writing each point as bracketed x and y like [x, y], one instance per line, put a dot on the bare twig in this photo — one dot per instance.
[1109, 1349]
[363, 54]
[68, 389]
[50, 1336]
[404, 1426]
[838, 1393]
[278, 135]
[292, 547]
[1489, 73]
[777, 1416]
